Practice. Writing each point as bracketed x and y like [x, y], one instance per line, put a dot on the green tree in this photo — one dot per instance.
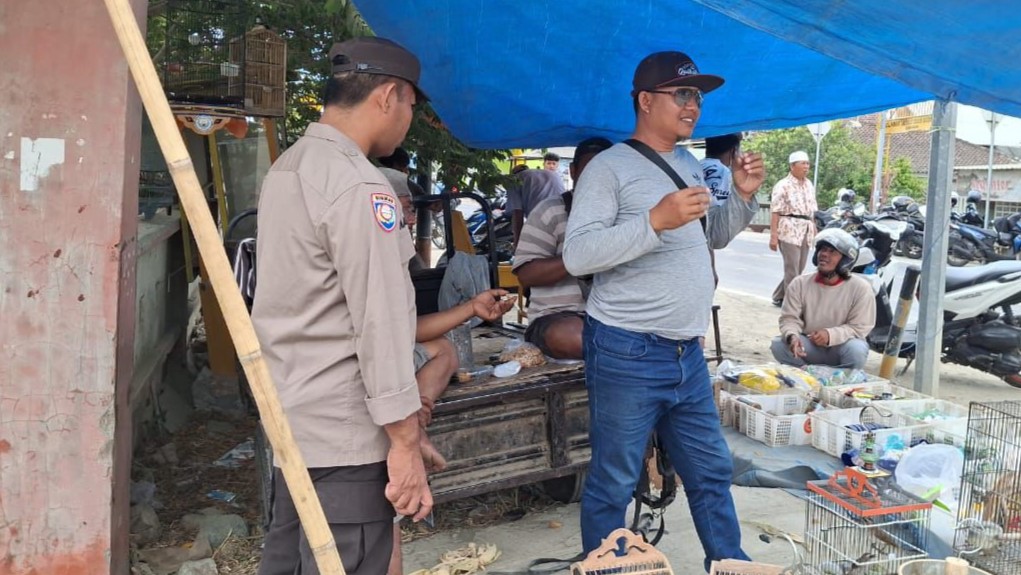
[903, 181]
[845, 163]
[310, 28]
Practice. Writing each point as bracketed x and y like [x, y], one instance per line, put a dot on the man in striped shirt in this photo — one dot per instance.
[556, 306]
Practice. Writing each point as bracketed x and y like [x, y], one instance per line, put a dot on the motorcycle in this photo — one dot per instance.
[503, 230]
[979, 327]
[1009, 230]
[978, 245]
[843, 215]
[971, 216]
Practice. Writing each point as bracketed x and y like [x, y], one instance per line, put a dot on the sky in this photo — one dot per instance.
[972, 127]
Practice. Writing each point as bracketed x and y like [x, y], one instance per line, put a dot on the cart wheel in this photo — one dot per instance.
[566, 489]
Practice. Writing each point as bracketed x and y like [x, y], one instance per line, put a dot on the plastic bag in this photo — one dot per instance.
[526, 354]
[509, 369]
[931, 472]
[511, 345]
[772, 378]
[759, 380]
[829, 376]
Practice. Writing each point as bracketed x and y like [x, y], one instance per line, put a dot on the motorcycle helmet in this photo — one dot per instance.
[974, 196]
[846, 196]
[901, 203]
[866, 261]
[841, 241]
[954, 198]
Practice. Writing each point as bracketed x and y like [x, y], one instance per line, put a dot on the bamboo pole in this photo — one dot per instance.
[193, 202]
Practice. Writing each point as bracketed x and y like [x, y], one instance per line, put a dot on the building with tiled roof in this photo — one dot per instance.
[970, 162]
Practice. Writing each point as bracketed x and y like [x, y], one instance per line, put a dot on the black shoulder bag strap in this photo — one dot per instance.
[643, 149]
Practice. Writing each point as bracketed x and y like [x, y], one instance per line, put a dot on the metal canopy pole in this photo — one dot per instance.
[934, 261]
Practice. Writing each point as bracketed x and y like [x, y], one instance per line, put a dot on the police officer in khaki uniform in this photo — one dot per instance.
[335, 313]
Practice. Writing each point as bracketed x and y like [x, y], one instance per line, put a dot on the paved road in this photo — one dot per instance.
[748, 266]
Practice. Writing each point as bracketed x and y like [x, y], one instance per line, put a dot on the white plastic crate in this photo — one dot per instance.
[949, 432]
[776, 420]
[839, 396]
[723, 406]
[830, 432]
[952, 428]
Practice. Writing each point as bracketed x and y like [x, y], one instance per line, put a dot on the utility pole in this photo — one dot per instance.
[819, 132]
[877, 181]
[992, 118]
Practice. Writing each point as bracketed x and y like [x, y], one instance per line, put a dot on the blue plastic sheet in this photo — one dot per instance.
[505, 73]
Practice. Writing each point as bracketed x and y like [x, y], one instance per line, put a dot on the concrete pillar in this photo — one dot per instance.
[69, 146]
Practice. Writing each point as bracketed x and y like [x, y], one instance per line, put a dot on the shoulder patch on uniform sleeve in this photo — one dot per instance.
[384, 208]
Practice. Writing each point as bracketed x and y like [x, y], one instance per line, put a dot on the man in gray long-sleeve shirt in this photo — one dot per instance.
[652, 292]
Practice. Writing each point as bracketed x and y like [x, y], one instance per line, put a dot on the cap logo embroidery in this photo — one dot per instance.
[687, 69]
[384, 207]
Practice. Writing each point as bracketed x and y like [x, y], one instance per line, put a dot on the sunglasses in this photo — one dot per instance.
[682, 95]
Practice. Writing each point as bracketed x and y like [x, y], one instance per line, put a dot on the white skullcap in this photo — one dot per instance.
[398, 181]
[798, 156]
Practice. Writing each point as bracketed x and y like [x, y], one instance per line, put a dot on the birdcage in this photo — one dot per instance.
[736, 567]
[853, 526]
[189, 43]
[156, 191]
[262, 55]
[623, 552]
[989, 512]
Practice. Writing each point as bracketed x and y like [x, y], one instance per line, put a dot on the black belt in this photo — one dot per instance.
[797, 216]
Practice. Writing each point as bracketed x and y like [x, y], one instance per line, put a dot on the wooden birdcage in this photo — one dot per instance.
[262, 54]
[188, 41]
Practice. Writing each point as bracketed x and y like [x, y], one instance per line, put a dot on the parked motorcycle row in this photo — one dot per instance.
[478, 229]
[969, 240]
[980, 329]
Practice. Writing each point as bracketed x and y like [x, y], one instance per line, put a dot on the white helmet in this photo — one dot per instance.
[841, 241]
[846, 195]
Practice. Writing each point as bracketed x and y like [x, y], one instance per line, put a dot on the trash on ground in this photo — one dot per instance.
[235, 457]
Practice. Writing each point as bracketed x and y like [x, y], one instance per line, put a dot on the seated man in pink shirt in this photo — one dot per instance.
[827, 314]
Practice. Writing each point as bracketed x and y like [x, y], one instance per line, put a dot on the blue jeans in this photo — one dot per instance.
[638, 382]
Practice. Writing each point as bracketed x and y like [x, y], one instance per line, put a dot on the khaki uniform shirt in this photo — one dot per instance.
[334, 304]
[791, 197]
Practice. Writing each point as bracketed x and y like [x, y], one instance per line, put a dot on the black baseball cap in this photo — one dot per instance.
[374, 55]
[669, 69]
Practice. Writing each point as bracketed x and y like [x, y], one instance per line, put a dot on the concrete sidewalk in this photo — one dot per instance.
[532, 537]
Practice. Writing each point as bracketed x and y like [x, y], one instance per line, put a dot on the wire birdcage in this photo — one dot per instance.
[156, 191]
[851, 526]
[189, 42]
[989, 515]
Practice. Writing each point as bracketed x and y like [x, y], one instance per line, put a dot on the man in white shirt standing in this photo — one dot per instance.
[792, 224]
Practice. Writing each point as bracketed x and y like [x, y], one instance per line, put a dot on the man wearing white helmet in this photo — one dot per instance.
[827, 314]
[791, 224]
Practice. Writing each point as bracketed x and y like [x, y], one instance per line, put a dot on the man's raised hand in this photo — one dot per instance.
[749, 172]
[678, 208]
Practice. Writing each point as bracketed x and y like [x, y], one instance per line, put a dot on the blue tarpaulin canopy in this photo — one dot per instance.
[532, 73]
